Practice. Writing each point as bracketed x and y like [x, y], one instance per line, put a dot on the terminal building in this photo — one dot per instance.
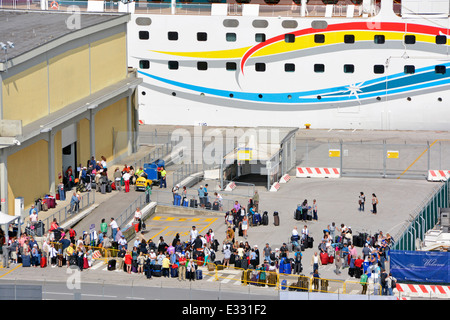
[66, 95]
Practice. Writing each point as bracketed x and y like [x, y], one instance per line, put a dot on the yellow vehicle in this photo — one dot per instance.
[142, 183]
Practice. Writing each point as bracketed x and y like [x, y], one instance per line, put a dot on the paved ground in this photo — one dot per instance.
[337, 202]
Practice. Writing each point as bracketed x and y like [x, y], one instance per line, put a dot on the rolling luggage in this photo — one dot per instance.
[85, 263]
[309, 242]
[73, 261]
[26, 261]
[324, 258]
[265, 218]
[193, 203]
[215, 206]
[111, 265]
[208, 206]
[198, 274]
[156, 270]
[298, 214]
[39, 229]
[219, 265]
[276, 219]
[330, 259]
[103, 188]
[109, 187]
[284, 284]
[43, 262]
[176, 200]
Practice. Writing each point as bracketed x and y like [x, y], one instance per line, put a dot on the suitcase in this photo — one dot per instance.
[208, 206]
[215, 206]
[26, 261]
[156, 271]
[173, 272]
[73, 261]
[310, 242]
[193, 203]
[111, 265]
[43, 262]
[109, 187]
[241, 232]
[177, 200]
[85, 263]
[330, 259]
[39, 229]
[219, 265]
[284, 284]
[237, 263]
[103, 188]
[198, 274]
[276, 219]
[324, 258]
[211, 266]
[298, 214]
[265, 218]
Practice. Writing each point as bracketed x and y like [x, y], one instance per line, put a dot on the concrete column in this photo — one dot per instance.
[129, 126]
[51, 163]
[4, 180]
[92, 132]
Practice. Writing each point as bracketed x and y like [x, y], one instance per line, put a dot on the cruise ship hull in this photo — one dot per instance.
[383, 72]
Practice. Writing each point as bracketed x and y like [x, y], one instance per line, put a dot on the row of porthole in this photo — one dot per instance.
[258, 23]
[289, 96]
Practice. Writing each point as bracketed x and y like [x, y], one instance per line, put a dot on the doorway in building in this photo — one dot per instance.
[69, 159]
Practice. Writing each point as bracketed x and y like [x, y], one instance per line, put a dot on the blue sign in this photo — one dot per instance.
[420, 266]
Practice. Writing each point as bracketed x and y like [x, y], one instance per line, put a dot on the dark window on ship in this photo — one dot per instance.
[144, 35]
[144, 64]
[410, 39]
[172, 35]
[441, 39]
[173, 65]
[349, 68]
[289, 38]
[379, 39]
[260, 37]
[319, 38]
[260, 67]
[231, 66]
[349, 38]
[319, 68]
[202, 65]
[410, 69]
[289, 67]
[202, 36]
[230, 37]
[378, 68]
[440, 69]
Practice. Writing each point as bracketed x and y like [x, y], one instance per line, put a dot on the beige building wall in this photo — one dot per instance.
[108, 61]
[69, 77]
[28, 174]
[25, 95]
[110, 130]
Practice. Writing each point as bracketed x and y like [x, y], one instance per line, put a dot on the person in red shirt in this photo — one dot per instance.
[358, 266]
[128, 261]
[182, 268]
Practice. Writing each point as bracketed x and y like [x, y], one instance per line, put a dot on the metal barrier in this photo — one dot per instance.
[424, 218]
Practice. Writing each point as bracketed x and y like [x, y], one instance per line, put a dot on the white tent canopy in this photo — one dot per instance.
[6, 219]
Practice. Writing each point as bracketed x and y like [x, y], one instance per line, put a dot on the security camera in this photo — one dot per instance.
[10, 44]
[16, 142]
[3, 46]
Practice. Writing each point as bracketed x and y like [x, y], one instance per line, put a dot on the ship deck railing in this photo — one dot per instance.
[233, 9]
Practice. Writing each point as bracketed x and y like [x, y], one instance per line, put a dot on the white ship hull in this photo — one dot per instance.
[275, 83]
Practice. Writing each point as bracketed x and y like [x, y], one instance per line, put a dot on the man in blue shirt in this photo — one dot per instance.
[345, 252]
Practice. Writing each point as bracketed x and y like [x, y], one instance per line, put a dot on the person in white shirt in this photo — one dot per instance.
[33, 218]
[193, 234]
[122, 242]
[138, 214]
[126, 179]
[305, 232]
[114, 226]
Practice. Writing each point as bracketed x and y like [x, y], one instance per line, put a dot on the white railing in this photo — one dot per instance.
[233, 9]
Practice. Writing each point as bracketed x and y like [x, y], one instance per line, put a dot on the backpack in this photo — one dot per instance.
[363, 280]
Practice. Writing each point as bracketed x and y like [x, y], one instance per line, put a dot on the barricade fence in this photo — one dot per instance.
[382, 158]
[250, 276]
